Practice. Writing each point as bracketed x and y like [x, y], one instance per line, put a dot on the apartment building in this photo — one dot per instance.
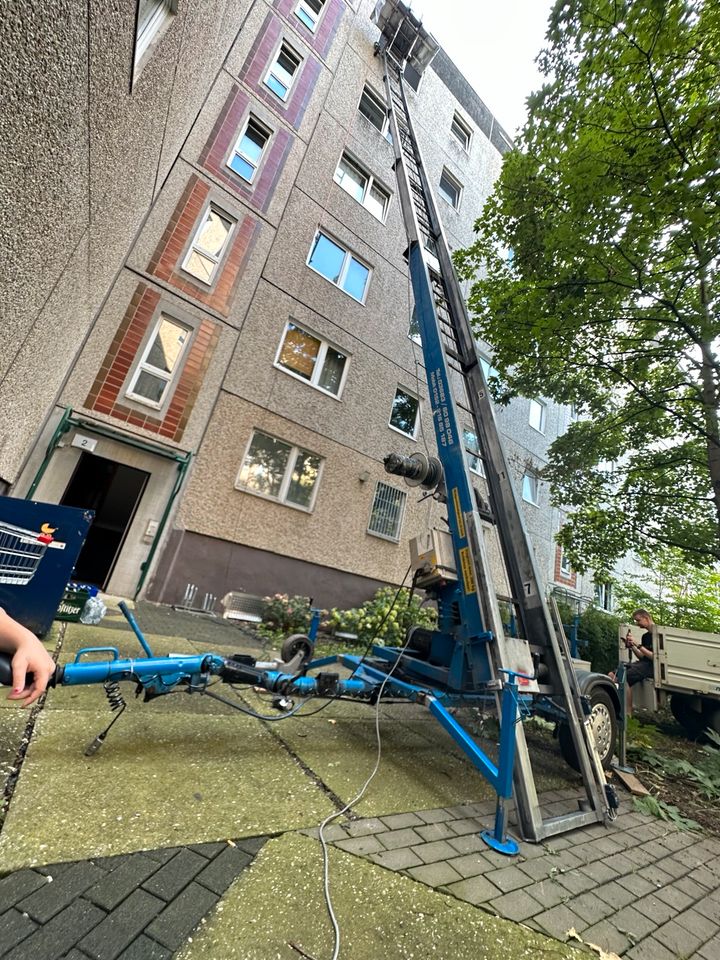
[209, 332]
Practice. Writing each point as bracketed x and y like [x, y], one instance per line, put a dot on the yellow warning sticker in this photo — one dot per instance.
[467, 570]
[458, 513]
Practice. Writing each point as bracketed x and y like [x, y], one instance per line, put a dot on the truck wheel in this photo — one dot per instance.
[692, 721]
[603, 720]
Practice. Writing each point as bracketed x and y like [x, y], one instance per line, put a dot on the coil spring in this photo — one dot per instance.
[114, 696]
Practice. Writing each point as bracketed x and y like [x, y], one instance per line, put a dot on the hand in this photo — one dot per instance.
[30, 657]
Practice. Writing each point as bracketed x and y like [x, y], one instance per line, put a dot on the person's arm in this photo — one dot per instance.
[28, 656]
[641, 652]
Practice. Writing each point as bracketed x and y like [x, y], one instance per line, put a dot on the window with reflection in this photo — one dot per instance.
[277, 470]
[208, 245]
[248, 150]
[159, 363]
[283, 71]
[404, 413]
[339, 266]
[312, 359]
[362, 186]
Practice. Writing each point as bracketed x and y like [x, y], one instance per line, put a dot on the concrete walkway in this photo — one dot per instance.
[192, 834]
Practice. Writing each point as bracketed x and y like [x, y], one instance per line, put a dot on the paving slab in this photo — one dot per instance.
[279, 902]
[181, 779]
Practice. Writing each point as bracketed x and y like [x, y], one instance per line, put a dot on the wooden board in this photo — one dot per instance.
[631, 782]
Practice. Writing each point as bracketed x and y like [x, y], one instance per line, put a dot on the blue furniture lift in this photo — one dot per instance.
[470, 658]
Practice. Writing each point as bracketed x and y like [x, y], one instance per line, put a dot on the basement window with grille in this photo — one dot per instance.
[386, 514]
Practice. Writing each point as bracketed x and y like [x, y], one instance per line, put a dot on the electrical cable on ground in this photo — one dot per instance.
[351, 803]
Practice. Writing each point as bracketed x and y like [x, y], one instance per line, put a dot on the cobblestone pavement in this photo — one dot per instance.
[638, 888]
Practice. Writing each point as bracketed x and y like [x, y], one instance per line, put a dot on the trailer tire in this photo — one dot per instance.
[297, 643]
[603, 718]
[692, 721]
[711, 715]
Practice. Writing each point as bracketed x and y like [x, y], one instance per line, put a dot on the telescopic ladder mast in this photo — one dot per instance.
[451, 357]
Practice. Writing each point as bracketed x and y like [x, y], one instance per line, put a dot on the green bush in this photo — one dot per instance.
[286, 615]
[598, 639]
[382, 621]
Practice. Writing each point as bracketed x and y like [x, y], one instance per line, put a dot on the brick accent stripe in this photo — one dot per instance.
[255, 67]
[221, 141]
[104, 396]
[165, 261]
[320, 40]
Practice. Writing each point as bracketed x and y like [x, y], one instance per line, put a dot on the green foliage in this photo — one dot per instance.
[285, 615]
[676, 592]
[704, 774]
[609, 301]
[379, 618]
[664, 811]
[598, 636]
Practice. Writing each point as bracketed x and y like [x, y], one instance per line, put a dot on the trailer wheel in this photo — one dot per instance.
[603, 719]
[711, 715]
[297, 643]
[692, 721]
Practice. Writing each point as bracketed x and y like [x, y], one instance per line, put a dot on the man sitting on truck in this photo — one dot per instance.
[642, 668]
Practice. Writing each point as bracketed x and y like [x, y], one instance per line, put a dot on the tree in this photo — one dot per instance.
[608, 298]
[676, 593]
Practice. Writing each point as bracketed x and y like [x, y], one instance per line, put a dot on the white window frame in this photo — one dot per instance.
[603, 595]
[454, 182]
[146, 33]
[409, 393]
[195, 246]
[287, 476]
[379, 102]
[236, 151]
[565, 568]
[319, 363]
[292, 55]
[310, 14]
[479, 471]
[401, 501]
[349, 255]
[142, 366]
[370, 182]
[464, 127]
[542, 407]
[531, 487]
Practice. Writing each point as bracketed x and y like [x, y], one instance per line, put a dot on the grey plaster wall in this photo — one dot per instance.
[83, 153]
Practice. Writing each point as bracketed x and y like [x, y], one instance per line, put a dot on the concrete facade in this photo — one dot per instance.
[143, 158]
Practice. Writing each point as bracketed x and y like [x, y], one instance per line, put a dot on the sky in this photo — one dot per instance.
[494, 44]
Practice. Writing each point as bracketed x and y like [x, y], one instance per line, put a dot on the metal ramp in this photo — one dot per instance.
[458, 394]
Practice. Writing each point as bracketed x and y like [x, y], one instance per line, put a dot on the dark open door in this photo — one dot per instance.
[113, 490]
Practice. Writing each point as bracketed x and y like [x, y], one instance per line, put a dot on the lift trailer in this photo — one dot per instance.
[472, 656]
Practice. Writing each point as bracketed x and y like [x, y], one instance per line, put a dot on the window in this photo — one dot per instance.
[488, 369]
[361, 185]
[283, 71]
[387, 512]
[404, 414]
[279, 471]
[530, 487]
[247, 152]
[461, 130]
[372, 106]
[472, 449]
[450, 189]
[537, 416]
[573, 414]
[208, 245]
[152, 17]
[308, 12]
[603, 595]
[565, 568]
[159, 363]
[339, 266]
[312, 359]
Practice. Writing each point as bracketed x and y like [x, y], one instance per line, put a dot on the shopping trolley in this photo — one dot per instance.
[21, 551]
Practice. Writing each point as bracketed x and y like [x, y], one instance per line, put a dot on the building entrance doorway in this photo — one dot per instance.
[113, 490]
